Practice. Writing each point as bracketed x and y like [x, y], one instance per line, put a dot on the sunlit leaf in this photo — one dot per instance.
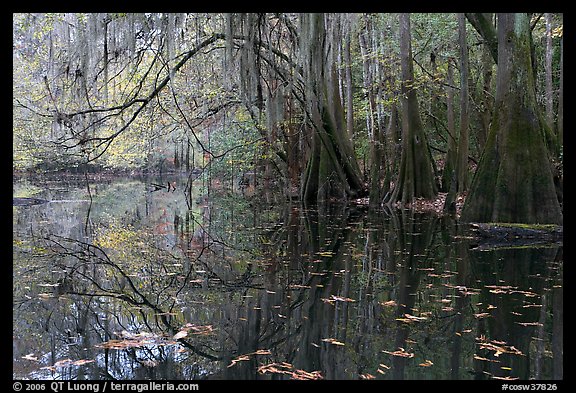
[325, 253]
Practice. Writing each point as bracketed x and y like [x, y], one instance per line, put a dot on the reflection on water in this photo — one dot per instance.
[123, 281]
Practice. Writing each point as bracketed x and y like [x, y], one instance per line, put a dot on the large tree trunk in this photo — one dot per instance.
[416, 175]
[333, 170]
[513, 182]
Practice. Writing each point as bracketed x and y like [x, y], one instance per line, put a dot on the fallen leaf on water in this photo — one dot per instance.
[82, 362]
[332, 341]
[499, 347]
[529, 323]
[325, 253]
[401, 352]
[239, 359]
[334, 298]
[485, 359]
[180, 334]
[505, 378]
[426, 363]
[288, 369]
[246, 356]
[298, 286]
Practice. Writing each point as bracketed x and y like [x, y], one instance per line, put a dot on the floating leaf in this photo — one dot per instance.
[401, 352]
[332, 341]
[334, 298]
[477, 357]
[180, 334]
[499, 347]
[325, 253]
[239, 359]
[288, 369]
[426, 363]
[506, 378]
[82, 362]
[411, 318]
[246, 356]
[529, 323]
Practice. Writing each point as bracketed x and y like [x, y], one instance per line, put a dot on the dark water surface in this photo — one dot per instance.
[118, 281]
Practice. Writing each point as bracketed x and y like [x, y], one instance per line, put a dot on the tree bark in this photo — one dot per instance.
[514, 182]
[560, 120]
[449, 177]
[549, 97]
[337, 167]
[483, 25]
[462, 167]
[349, 85]
[416, 175]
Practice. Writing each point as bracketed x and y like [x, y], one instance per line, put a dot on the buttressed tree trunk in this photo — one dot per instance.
[513, 182]
[416, 176]
[333, 169]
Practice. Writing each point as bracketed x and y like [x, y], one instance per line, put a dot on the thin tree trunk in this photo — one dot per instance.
[549, 97]
[487, 97]
[462, 167]
[560, 121]
[450, 163]
[349, 85]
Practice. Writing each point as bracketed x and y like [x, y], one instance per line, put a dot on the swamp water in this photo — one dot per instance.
[122, 280]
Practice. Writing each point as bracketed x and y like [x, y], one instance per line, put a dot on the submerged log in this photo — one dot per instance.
[514, 231]
[498, 235]
[28, 201]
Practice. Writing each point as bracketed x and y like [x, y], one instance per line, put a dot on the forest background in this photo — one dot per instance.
[386, 108]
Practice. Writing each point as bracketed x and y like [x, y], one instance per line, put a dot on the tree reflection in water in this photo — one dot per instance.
[242, 292]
